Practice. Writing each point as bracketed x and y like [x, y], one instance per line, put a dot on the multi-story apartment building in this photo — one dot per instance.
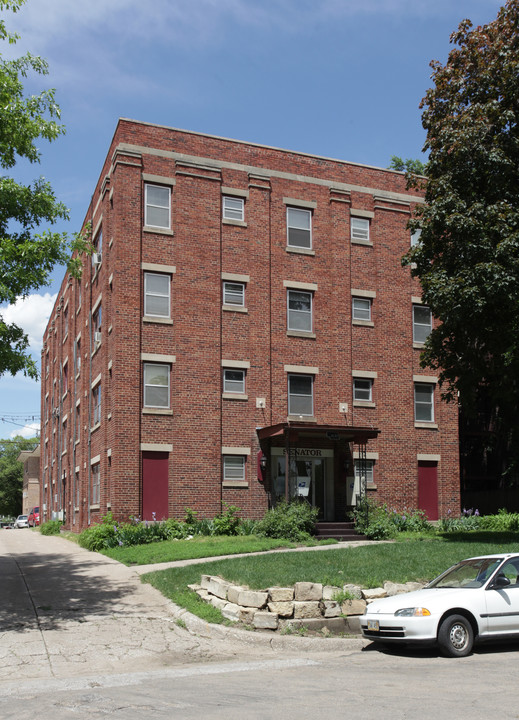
[244, 305]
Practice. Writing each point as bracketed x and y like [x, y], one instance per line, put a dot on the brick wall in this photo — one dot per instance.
[195, 252]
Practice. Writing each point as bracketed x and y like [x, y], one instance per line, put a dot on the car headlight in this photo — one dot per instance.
[412, 612]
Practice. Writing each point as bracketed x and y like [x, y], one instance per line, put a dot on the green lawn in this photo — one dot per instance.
[368, 566]
[200, 546]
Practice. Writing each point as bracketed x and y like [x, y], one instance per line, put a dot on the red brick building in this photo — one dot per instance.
[244, 304]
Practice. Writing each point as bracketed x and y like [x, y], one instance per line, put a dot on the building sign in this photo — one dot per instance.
[304, 453]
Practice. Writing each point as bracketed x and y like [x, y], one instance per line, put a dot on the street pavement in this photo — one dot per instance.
[82, 637]
[66, 612]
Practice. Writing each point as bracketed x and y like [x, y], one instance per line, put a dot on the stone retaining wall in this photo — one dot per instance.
[278, 607]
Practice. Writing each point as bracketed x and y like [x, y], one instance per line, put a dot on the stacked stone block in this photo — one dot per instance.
[279, 607]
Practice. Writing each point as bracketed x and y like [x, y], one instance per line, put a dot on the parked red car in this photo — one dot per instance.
[34, 517]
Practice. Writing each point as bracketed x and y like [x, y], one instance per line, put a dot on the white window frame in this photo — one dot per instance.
[292, 214]
[233, 208]
[294, 314]
[77, 357]
[418, 327]
[362, 389]
[294, 397]
[95, 490]
[148, 206]
[424, 404]
[98, 247]
[150, 294]
[234, 468]
[77, 423]
[147, 385]
[96, 404]
[235, 386]
[359, 228]
[359, 313]
[97, 324]
[369, 466]
[415, 237]
[229, 296]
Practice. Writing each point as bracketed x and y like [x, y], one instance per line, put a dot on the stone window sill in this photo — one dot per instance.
[299, 251]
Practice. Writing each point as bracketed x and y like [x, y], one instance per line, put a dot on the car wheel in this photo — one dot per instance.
[456, 636]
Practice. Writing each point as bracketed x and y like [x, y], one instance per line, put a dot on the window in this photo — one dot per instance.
[234, 381]
[96, 326]
[415, 238]
[96, 404]
[361, 308]
[299, 228]
[234, 294]
[77, 357]
[299, 310]
[95, 490]
[77, 423]
[65, 379]
[423, 402]
[157, 212]
[234, 467]
[157, 291]
[97, 255]
[362, 389]
[233, 208]
[65, 322]
[64, 438]
[156, 385]
[422, 323]
[364, 468]
[78, 495]
[359, 228]
[300, 395]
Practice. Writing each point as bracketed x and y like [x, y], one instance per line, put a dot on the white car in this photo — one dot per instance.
[475, 600]
[21, 521]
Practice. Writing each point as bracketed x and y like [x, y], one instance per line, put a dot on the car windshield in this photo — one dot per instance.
[467, 574]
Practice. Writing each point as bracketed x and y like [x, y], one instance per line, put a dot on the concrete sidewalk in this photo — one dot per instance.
[67, 612]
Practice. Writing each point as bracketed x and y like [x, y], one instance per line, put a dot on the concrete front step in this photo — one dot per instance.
[337, 531]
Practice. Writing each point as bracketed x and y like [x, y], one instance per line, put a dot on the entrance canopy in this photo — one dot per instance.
[316, 462]
[301, 430]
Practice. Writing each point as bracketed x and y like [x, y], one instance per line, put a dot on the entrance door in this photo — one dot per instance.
[428, 489]
[312, 480]
[154, 485]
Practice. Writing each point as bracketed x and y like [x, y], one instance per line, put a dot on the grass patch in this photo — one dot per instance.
[368, 566]
[200, 546]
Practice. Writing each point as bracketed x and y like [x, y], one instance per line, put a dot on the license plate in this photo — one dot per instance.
[373, 625]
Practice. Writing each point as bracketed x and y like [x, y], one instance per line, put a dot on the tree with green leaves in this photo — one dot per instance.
[11, 473]
[27, 256]
[467, 259]
[411, 166]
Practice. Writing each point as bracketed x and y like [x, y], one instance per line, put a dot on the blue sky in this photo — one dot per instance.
[338, 78]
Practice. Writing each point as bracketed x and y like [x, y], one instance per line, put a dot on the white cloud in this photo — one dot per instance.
[29, 431]
[31, 314]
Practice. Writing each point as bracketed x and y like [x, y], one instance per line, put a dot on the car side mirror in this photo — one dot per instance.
[501, 581]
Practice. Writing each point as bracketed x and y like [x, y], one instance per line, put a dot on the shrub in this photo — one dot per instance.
[196, 525]
[247, 527]
[372, 520]
[97, 537]
[227, 523]
[51, 527]
[378, 522]
[175, 529]
[290, 521]
[471, 520]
